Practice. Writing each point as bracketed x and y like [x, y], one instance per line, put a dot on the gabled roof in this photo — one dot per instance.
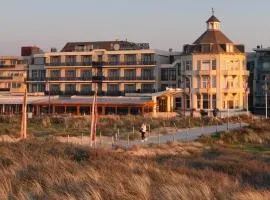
[212, 19]
[213, 37]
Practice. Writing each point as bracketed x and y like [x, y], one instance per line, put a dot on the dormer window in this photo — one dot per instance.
[229, 48]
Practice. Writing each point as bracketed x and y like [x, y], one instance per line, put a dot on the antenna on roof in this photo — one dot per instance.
[213, 11]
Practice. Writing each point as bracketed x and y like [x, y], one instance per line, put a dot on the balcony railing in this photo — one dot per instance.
[148, 91]
[4, 89]
[96, 78]
[114, 63]
[100, 63]
[36, 79]
[69, 64]
[5, 77]
[69, 79]
[97, 64]
[7, 66]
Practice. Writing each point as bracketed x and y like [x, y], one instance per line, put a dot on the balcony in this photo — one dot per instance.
[69, 64]
[5, 77]
[113, 93]
[147, 91]
[4, 89]
[7, 66]
[69, 79]
[98, 78]
[131, 78]
[36, 79]
[97, 64]
[118, 63]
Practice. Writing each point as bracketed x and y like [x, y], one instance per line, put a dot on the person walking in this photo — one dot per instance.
[143, 131]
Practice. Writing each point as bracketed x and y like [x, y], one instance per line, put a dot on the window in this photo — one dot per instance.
[55, 87]
[198, 101]
[188, 65]
[214, 65]
[147, 58]
[43, 73]
[147, 74]
[86, 73]
[86, 88]
[70, 73]
[39, 61]
[214, 81]
[55, 60]
[168, 74]
[178, 102]
[206, 101]
[187, 102]
[34, 73]
[16, 85]
[148, 88]
[113, 88]
[187, 83]
[214, 101]
[130, 59]
[130, 74]
[205, 48]
[86, 60]
[114, 59]
[205, 65]
[130, 88]
[114, 73]
[70, 60]
[199, 65]
[229, 48]
[70, 88]
[205, 82]
[34, 88]
[55, 73]
[179, 69]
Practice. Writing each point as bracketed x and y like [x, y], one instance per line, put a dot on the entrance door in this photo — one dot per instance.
[162, 104]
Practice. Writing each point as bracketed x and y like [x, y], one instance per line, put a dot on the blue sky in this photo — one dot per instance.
[163, 23]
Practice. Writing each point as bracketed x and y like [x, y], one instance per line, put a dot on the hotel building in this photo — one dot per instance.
[112, 68]
[13, 73]
[212, 72]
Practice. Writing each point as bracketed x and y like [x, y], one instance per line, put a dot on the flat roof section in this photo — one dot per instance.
[76, 100]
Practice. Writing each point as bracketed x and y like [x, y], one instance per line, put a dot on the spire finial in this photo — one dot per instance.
[213, 11]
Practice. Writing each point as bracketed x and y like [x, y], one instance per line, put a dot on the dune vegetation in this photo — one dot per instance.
[228, 165]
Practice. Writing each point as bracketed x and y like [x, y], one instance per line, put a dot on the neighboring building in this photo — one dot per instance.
[30, 51]
[259, 66]
[112, 68]
[12, 75]
[213, 72]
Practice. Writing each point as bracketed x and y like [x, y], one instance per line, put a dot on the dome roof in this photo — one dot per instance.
[213, 37]
[212, 19]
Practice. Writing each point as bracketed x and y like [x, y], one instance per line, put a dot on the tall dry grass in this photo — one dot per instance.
[49, 170]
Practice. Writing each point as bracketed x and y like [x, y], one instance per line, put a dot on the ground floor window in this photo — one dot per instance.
[205, 101]
[214, 101]
[187, 102]
[178, 103]
[198, 101]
